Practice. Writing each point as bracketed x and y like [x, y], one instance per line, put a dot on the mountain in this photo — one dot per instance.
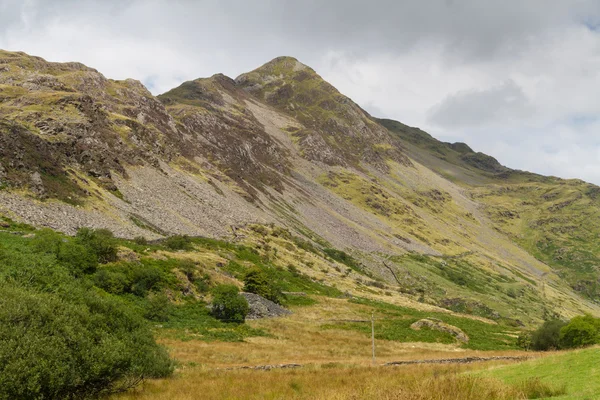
[437, 222]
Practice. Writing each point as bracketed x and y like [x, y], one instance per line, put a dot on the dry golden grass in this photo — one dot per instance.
[336, 365]
[328, 382]
[299, 338]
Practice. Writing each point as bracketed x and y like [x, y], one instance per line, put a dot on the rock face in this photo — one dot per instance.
[438, 325]
[263, 308]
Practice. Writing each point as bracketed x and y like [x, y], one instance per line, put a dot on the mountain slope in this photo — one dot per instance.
[281, 146]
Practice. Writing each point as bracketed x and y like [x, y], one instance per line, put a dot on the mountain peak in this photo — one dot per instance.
[276, 69]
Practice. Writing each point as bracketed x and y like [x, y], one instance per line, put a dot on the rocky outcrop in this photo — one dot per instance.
[263, 308]
[438, 325]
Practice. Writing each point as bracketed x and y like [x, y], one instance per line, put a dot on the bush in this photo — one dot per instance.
[158, 308]
[112, 281]
[140, 240]
[547, 337]
[228, 305]
[344, 258]
[580, 331]
[178, 242]
[72, 347]
[78, 258]
[255, 281]
[524, 340]
[101, 241]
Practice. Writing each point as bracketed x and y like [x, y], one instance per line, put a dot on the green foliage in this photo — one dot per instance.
[344, 258]
[158, 308]
[524, 340]
[228, 305]
[193, 321]
[201, 281]
[547, 336]
[134, 278]
[140, 240]
[178, 242]
[579, 332]
[256, 281]
[77, 257]
[101, 241]
[72, 345]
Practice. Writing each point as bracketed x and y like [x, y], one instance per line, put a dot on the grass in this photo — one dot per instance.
[576, 374]
[192, 321]
[334, 382]
[393, 323]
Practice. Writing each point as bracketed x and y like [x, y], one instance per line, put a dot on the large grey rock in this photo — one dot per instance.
[263, 308]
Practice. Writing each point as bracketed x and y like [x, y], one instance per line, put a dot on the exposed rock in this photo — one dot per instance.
[438, 325]
[268, 367]
[263, 308]
[37, 185]
[464, 360]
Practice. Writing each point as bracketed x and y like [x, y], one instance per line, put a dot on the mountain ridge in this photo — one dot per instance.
[279, 145]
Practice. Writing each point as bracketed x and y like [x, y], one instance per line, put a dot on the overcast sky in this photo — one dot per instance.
[517, 79]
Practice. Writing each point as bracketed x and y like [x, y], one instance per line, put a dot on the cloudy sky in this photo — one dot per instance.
[519, 80]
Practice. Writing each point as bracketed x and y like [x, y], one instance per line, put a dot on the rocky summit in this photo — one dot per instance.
[279, 146]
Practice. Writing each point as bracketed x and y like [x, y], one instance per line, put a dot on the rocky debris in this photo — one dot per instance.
[37, 185]
[267, 367]
[263, 308]
[464, 360]
[438, 325]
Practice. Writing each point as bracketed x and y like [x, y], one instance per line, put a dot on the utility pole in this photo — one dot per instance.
[373, 335]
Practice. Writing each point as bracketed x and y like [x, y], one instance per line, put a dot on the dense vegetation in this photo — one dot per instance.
[60, 336]
[580, 331]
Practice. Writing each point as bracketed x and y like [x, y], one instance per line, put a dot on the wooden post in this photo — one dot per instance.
[373, 335]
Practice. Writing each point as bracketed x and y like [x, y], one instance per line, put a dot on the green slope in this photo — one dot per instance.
[578, 372]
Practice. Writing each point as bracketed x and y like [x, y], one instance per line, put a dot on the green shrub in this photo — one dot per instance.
[524, 340]
[75, 346]
[142, 241]
[158, 308]
[228, 305]
[547, 337]
[78, 258]
[178, 242]
[344, 258]
[101, 241]
[75, 256]
[580, 331]
[115, 282]
[134, 278]
[256, 281]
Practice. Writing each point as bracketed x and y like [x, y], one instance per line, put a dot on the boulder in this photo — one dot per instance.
[263, 308]
[438, 325]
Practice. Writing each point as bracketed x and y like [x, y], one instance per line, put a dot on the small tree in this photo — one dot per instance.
[580, 331]
[228, 305]
[256, 281]
[178, 242]
[101, 241]
[524, 340]
[547, 337]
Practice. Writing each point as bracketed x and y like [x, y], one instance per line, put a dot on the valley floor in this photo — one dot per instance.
[336, 364]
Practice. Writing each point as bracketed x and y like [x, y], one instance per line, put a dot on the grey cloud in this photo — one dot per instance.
[499, 104]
